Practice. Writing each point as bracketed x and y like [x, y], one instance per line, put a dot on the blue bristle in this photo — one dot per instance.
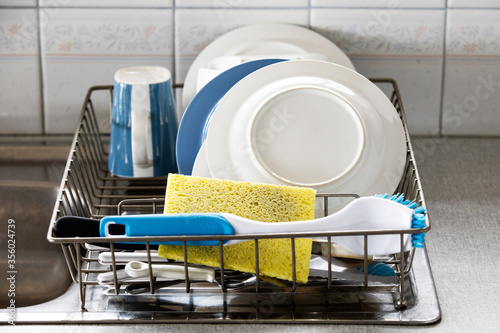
[418, 220]
[395, 197]
[419, 210]
[378, 269]
[412, 205]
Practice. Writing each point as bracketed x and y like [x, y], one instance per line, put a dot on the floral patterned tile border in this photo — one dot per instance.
[360, 33]
[78, 32]
[18, 32]
[473, 33]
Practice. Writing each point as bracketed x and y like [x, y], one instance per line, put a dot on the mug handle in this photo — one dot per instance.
[142, 147]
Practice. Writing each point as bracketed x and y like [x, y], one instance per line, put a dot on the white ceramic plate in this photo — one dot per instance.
[200, 167]
[194, 123]
[268, 40]
[308, 123]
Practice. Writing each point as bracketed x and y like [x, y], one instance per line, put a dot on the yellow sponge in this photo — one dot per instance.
[260, 202]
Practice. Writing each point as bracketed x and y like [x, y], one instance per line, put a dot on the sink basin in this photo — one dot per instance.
[27, 200]
[40, 269]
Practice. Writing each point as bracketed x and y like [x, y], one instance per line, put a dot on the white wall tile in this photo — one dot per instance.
[406, 45]
[471, 103]
[196, 28]
[19, 73]
[85, 47]
[84, 42]
[18, 3]
[234, 4]
[106, 3]
[387, 4]
[473, 4]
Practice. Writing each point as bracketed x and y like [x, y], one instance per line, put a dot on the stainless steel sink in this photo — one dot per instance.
[39, 267]
[29, 184]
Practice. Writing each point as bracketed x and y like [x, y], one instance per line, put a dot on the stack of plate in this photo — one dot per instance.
[287, 107]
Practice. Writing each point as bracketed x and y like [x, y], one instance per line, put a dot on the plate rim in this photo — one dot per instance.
[386, 113]
[201, 108]
[223, 44]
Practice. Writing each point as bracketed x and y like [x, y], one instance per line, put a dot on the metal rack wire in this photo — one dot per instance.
[89, 190]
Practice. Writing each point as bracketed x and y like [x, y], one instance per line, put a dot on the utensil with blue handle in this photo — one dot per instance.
[364, 214]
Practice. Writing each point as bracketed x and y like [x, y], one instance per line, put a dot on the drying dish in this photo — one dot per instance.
[308, 123]
[200, 167]
[262, 40]
[194, 123]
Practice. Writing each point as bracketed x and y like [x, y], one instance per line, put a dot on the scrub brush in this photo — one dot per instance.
[366, 214]
[418, 220]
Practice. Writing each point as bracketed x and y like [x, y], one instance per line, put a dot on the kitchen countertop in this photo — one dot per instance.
[461, 183]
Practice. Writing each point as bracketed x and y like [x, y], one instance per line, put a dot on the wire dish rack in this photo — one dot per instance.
[89, 190]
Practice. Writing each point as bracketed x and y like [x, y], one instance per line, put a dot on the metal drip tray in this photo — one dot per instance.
[206, 303]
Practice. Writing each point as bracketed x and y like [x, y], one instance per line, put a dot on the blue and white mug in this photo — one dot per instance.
[143, 124]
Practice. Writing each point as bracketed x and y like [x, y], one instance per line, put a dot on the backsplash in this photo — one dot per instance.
[445, 55]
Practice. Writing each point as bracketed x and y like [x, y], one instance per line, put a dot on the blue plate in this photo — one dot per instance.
[194, 123]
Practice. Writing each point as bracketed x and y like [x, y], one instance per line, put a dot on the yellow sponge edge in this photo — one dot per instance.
[260, 202]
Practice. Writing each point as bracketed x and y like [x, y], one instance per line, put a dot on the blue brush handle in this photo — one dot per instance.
[191, 224]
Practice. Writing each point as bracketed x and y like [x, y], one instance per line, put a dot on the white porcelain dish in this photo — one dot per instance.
[261, 40]
[194, 123]
[308, 123]
[200, 167]
[225, 63]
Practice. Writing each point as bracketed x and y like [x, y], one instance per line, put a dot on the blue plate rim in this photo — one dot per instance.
[194, 123]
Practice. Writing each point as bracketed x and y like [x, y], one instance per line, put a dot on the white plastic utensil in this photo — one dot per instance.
[105, 258]
[108, 278]
[139, 269]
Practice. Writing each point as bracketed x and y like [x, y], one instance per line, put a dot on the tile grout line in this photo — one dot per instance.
[443, 71]
[309, 14]
[174, 43]
[40, 69]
